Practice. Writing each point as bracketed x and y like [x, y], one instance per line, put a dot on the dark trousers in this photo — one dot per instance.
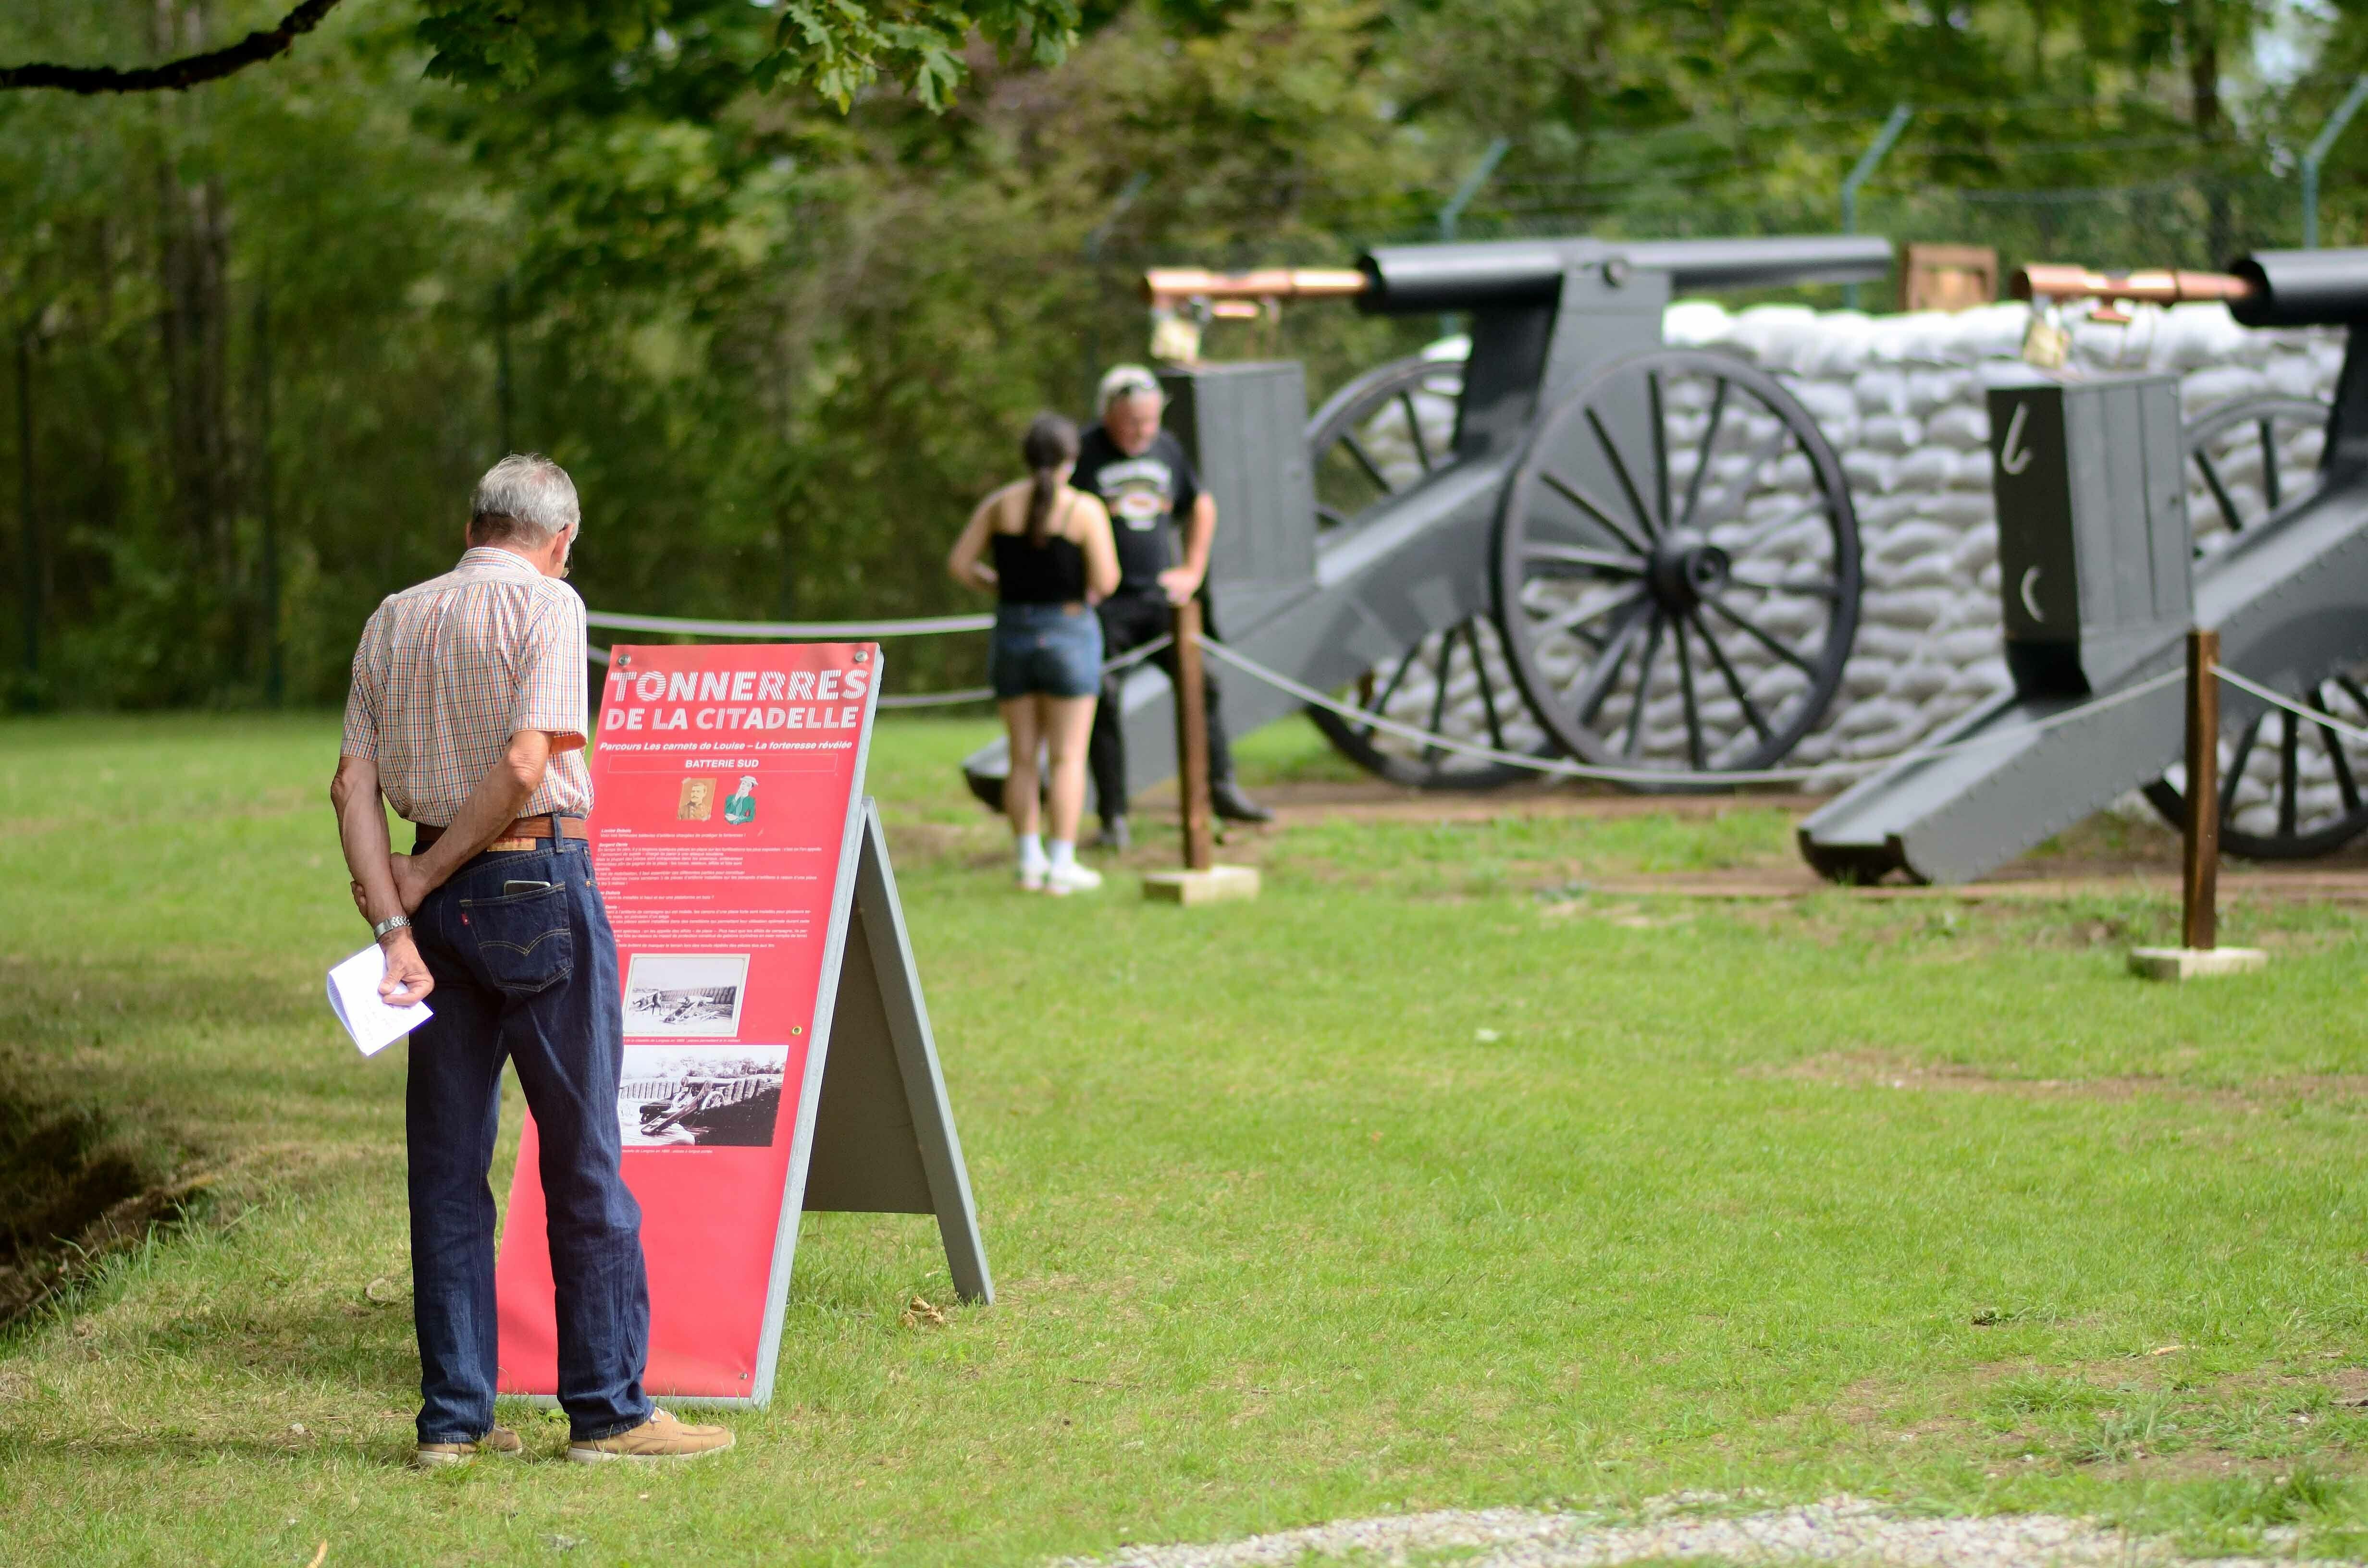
[529, 977]
[1130, 619]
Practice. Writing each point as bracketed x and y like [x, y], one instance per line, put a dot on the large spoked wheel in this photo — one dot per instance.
[2290, 789]
[1372, 441]
[1677, 567]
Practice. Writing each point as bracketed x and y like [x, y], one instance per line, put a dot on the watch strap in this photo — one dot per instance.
[391, 923]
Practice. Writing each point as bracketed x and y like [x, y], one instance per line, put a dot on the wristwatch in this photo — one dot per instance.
[391, 923]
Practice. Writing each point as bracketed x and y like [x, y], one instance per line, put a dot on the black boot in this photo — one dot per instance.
[1232, 805]
[1114, 834]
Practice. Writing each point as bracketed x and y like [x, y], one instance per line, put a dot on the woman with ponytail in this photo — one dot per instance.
[1045, 551]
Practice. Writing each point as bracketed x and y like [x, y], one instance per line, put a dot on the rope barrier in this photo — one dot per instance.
[807, 631]
[1561, 768]
[2324, 720]
[1127, 660]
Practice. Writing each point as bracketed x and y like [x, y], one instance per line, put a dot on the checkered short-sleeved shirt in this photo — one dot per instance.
[449, 670]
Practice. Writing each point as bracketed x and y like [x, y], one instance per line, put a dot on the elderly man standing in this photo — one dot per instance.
[1140, 472]
[468, 715]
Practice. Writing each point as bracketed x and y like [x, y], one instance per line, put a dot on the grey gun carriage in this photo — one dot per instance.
[1577, 540]
[2118, 531]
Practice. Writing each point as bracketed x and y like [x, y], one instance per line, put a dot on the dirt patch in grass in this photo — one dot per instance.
[73, 1188]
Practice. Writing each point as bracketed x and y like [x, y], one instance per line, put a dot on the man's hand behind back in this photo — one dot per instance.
[408, 980]
[1179, 584]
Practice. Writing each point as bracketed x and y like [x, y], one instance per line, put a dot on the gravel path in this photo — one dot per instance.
[1840, 1529]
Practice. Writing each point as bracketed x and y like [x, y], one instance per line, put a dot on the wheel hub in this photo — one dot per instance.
[1685, 569]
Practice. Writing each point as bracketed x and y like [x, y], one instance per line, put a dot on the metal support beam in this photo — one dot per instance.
[1876, 151]
[2315, 156]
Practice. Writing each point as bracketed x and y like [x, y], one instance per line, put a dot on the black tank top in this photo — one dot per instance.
[1052, 573]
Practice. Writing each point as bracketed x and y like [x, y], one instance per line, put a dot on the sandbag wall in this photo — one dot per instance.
[1902, 399]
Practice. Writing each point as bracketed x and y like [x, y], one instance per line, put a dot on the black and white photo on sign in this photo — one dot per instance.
[701, 1096]
[686, 995]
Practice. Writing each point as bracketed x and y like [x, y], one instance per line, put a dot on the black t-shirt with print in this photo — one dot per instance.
[1145, 495]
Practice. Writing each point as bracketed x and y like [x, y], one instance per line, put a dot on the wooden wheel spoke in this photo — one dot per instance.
[2344, 782]
[1570, 620]
[2270, 486]
[2237, 771]
[1760, 637]
[1818, 590]
[1438, 694]
[1619, 472]
[1732, 501]
[2219, 491]
[1694, 751]
[1600, 561]
[1414, 430]
[1709, 444]
[1580, 498]
[1644, 686]
[2289, 773]
[1734, 682]
[1660, 451]
[1487, 688]
[1365, 460]
[1588, 701]
[1330, 514]
[1381, 704]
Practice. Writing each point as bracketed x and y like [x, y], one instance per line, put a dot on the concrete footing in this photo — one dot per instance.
[1214, 885]
[2194, 963]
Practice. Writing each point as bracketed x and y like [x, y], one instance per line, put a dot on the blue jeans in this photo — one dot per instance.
[530, 977]
[1052, 649]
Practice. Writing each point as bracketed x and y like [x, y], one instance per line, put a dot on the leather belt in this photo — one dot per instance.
[522, 834]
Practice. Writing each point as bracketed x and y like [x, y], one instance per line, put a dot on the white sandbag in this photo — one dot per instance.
[1959, 509]
[1830, 404]
[1911, 537]
[2209, 388]
[1930, 390]
[1929, 467]
[1894, 643]
[1930, 570]
[1920, 681]
[1915, 608]
[1881, 391]
[1890, 432]
[1864, 677]
[1691, 324]
[1968, 647]
[1868, 473]
[1964, 425]
[1976, 548]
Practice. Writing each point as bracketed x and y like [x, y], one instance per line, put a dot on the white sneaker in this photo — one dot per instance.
[1032, 878]
[1065, 879]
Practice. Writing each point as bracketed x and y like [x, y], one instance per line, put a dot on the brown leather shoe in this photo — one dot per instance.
[434, 1456]
[659, 1438]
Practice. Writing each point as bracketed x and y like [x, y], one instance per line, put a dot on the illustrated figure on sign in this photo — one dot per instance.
[741, 806]
[698, 801]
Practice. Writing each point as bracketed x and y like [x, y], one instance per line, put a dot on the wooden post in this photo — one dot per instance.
[1192, 739]
[2200, 881]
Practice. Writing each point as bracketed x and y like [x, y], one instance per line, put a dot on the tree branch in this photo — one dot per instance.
[174, 76]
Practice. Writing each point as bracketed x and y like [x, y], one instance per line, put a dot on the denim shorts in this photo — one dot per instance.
[1048, 650]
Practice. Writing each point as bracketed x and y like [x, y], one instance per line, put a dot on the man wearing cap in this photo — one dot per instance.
[467, 715]
[1140, 472]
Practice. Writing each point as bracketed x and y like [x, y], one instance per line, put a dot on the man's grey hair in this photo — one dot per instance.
[1124, 381]
[524, 499]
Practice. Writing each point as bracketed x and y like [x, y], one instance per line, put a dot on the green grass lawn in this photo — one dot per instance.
[1432, 1178]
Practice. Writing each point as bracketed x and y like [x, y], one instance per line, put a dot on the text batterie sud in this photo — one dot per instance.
[736, 699]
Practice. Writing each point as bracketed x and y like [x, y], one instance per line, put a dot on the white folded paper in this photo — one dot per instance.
[353, 996]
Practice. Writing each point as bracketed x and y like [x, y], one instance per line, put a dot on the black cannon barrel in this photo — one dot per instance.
[2302, 288]
[1406, 279]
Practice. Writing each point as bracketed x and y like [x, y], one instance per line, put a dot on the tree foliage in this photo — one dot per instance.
[783, 345]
